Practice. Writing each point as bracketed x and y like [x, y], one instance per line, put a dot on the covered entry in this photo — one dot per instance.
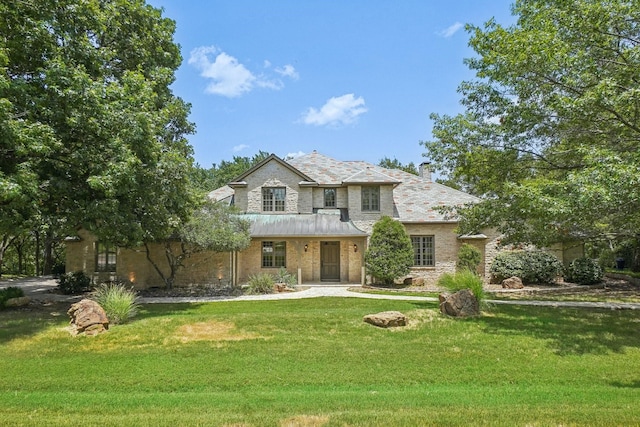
[330, 261]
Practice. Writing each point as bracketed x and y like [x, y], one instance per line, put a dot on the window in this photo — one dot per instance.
[423, 251]
[329, 197]
[274, 254]
[105, 257]
[273, 199]
[370, 199]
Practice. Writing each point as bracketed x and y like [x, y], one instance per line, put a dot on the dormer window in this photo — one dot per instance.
[370, 198]
[329, 197]
[273, 199]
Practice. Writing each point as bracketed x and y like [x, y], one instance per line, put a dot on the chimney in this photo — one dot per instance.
[425, 170]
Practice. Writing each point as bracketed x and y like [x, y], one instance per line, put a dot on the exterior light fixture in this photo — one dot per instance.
[306, 248]
[355, 248]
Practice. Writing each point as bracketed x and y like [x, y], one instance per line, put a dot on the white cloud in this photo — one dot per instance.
[288, 71]
[336, 111]
[290, 156]
[230, 78]
[450, 31]
[240, 147]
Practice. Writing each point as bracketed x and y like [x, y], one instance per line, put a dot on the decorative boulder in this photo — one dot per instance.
[88, 317]
[386, 319]
[461, 304]
[512, 283]
[17, 302]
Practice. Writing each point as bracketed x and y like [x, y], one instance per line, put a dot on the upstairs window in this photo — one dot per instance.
[274, 254]
[105, 257]
[423, 251]
[370, 199]
[273, 199]
[329, 197]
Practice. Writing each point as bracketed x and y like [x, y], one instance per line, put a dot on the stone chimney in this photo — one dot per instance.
[424, 170]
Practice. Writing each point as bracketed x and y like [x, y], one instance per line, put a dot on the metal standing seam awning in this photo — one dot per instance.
[301, 225]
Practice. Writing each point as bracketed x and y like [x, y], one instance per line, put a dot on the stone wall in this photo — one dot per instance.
[132, 264]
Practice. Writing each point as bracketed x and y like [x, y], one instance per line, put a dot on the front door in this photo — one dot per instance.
[330, 261]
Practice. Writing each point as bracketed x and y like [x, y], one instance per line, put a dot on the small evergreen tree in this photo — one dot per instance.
[390, 253]
[469, 258]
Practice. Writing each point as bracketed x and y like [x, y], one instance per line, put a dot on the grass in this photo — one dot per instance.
[316, 363]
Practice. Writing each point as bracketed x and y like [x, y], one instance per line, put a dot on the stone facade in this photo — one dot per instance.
[410, 199]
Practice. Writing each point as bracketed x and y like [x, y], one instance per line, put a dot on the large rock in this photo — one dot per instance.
[461, 304]
[512, 283]
[17, 302]
[386, 319]
[88, 317]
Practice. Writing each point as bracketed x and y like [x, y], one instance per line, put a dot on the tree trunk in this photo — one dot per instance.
[48, 255]
[4, 245]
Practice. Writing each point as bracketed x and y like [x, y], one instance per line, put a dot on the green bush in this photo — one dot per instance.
[530, 266]
[283, 276]
[74, 283]
[584, 271]
[261, 283]
[390, 252]
[463, 279]
[469, 258]
[118, 301]
[8, 293]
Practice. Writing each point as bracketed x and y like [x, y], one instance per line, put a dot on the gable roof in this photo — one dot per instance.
[305, 179]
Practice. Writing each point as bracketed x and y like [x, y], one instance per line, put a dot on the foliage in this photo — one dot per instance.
[463, 279]
[90, 133]
[74, 283]
[584, 271]
[531, 266]
[119, 302]
[469, 258]
[213, 227]
[395, 164]
[390, 253]
[221, 174]
[551, 130]
[261, 283]
[313, 362]
[283, 276]
[8, 293]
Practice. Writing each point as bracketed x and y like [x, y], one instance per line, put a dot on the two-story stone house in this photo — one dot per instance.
[311, 215]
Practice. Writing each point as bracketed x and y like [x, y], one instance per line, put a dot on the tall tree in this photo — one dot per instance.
[551, 132]
[396, 164]
[90, 132]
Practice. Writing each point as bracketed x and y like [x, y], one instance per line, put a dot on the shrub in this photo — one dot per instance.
[118, 301]
[469, 258]
[390, 253]
[261, 283]
[283, 276]
[530, 266]
[74, 283]
[584, 271]
[8, 293]
[463, 279]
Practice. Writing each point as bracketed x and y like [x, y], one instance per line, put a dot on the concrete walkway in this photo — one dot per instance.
[40, 288]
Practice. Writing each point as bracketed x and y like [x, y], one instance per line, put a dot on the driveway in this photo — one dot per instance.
[41, 288]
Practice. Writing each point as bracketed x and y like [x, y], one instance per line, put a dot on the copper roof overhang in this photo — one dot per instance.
[301, 225]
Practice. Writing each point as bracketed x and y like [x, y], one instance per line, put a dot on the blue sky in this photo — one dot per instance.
[352, 79]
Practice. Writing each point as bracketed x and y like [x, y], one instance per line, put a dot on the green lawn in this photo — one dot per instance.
[315, 363]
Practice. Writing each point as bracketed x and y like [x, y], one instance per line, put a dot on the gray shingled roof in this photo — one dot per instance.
[416, 199]
[301, 225]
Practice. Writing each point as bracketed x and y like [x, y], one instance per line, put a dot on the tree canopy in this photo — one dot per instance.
[90, 132]
[551, 132]
[394, 163]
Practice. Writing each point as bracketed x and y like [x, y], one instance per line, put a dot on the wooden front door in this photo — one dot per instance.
[330, 261]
